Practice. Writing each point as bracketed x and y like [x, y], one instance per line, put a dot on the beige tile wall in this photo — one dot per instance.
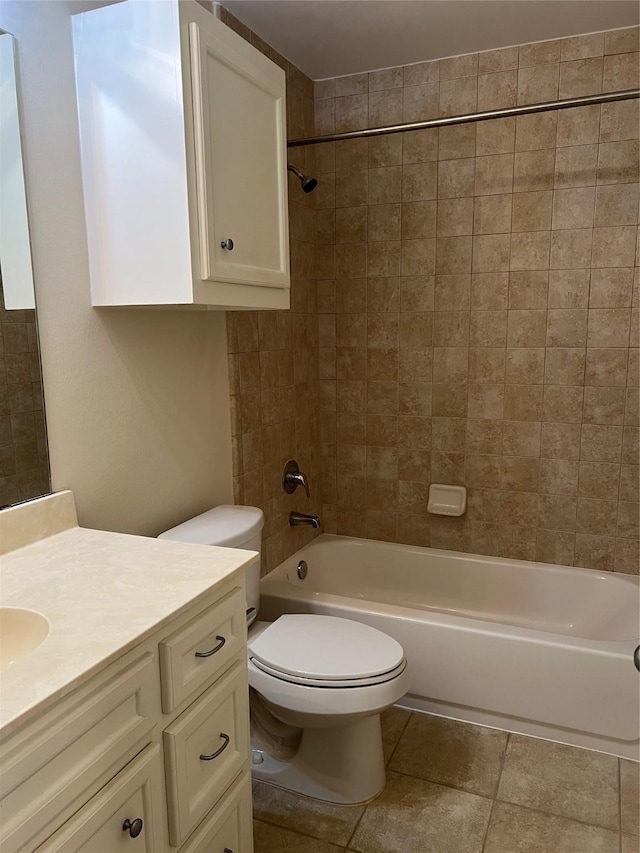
[24, 464]
[478, 305]
[273, 360]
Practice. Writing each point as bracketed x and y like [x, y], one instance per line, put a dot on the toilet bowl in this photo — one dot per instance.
[319, 683]
[330, 678]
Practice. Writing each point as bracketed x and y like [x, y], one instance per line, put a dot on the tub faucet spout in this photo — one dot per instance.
[297, 518]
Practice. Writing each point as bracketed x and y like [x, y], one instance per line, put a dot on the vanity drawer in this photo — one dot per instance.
[229, 827]
[205, 749]
[53, 766]
[135, 794]
[197, 653]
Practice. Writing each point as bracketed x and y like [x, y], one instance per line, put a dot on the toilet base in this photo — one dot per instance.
[339, 764]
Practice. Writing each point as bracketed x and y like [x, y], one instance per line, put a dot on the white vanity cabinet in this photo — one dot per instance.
[149, 755]
[183, 145]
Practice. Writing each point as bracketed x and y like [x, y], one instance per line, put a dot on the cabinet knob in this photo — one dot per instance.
[134, 827]
[227, 244]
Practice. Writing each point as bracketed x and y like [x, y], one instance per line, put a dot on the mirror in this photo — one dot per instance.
[15, 250]
[24, 463]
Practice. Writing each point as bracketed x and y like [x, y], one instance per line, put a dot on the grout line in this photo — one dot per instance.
[493, 802]
[302, 832]
[555, 814]
[620, 805]
[393, 751]
[486, 834]
[440, 784]
[355, 828]
[504, 759]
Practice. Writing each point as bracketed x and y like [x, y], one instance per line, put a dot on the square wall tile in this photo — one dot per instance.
[475, 315]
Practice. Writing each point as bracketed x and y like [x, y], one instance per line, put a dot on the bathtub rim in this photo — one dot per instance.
[277, 583]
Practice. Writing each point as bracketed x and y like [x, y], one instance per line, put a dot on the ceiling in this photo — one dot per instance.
[329, 38]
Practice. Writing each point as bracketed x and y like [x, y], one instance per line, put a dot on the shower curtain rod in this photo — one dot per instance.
[525, 109]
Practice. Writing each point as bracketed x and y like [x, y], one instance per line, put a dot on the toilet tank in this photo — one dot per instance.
[229, 527]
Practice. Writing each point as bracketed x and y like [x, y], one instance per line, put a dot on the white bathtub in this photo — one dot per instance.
[536, 649]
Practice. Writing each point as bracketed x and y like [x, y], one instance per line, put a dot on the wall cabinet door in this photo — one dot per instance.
[184, 160]
[240, 136]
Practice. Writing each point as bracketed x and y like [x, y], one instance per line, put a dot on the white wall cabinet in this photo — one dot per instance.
[183, 145]
[107, 768]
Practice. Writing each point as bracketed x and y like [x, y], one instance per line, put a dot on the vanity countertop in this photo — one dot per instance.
[103, 593]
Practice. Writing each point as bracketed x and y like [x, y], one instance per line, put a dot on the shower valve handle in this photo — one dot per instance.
[292, 477]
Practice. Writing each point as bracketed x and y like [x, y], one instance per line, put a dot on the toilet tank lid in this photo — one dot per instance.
[228, 526]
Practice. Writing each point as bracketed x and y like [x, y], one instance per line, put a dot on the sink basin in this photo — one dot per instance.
[21, 631]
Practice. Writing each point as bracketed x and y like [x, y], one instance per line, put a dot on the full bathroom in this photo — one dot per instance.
[319, 426]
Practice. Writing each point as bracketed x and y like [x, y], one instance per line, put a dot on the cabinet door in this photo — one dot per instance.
[205, 749]
[125, 815]
[229, 825]
[63, 756]
[240, 148]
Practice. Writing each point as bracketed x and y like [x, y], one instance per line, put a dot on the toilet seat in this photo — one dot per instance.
[331, 684]
[326, 651]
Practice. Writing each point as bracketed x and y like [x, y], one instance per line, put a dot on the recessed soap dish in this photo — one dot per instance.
[447, 500]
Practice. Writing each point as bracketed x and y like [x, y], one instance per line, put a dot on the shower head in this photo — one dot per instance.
[308, 183]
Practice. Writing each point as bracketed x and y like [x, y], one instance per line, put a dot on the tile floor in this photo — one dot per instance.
[457, 788]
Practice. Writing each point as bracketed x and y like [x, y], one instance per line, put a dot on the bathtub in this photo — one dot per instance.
[531, 648]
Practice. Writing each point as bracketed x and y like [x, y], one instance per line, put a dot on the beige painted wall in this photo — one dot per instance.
[137, 401]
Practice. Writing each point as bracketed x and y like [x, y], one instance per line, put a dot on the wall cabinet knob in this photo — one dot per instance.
[134, 827]
[227, 244]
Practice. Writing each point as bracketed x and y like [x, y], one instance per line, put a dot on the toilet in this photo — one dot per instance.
[318, 683]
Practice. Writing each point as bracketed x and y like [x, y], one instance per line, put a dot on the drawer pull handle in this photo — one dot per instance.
[218, 752]
[221, 642]
[227, 850]
[134, 827]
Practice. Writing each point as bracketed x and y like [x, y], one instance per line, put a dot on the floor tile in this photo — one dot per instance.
[393, 723]
[629, 796]
[313, 817]
[275, 839]
[514, 829]
[413, 816]
[451, 753]
[564, 780]
[630, 843]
